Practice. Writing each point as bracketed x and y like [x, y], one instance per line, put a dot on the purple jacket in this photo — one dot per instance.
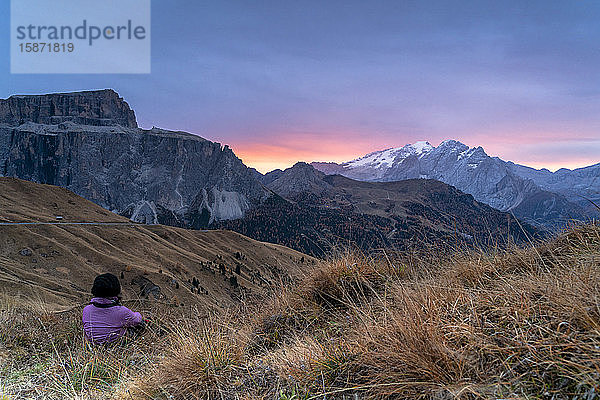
[102, 325]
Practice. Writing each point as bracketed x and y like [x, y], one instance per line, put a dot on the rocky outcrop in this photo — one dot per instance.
[298, 179]
[150, 176]
[146, 287]
[269, 177]
[98, 108]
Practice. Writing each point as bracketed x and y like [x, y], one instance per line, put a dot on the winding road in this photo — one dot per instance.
[90, 223]
[76, 223]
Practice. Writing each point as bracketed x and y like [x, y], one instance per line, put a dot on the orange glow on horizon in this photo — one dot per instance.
[271, 158]
[267, 157]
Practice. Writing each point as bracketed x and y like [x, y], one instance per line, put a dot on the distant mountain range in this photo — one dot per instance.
[541, 197]
[317, 212]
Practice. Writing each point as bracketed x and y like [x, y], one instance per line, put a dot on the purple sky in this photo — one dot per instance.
[284, 81]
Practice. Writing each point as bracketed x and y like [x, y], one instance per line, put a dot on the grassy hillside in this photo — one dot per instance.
[23, 201]
[517, 323]
[56, 263]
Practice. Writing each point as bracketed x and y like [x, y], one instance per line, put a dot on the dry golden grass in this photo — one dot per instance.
[20, 202]
[517, 323]
[43, 354]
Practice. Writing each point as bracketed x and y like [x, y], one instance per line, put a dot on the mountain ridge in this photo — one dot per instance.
[503, 185]
[313, 212]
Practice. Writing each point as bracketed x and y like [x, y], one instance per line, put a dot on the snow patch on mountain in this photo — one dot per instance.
[386, 158]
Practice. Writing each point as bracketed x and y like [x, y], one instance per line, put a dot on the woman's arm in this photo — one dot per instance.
[131, 318]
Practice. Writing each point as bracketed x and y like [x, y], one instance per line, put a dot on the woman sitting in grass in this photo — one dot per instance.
[105, 319]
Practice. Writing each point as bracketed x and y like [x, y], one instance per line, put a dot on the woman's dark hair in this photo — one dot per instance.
[106, 285]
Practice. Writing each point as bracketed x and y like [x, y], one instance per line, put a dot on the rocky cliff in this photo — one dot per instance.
[98, 108]
[89, 143]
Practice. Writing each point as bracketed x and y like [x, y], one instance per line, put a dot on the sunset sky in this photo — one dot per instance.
[282, 81]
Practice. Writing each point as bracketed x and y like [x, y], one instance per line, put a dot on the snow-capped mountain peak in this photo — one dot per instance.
[538, 195]
[417, 148]
[452, 143]
[421, 147]
[386, 158]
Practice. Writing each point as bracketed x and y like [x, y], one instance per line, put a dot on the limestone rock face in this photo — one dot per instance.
[97, 107]
[89, 143]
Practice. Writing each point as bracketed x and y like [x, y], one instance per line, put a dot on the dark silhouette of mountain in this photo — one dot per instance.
[301, 178]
